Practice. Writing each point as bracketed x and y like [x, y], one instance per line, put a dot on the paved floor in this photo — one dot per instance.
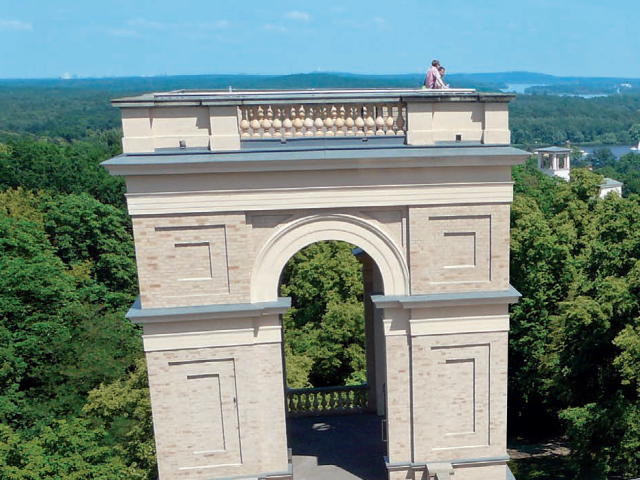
[347, 447]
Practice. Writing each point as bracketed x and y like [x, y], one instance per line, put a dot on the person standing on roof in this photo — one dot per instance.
[432, 79]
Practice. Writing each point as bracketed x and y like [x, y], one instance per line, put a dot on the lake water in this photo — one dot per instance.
[617, 150]
[521, 87]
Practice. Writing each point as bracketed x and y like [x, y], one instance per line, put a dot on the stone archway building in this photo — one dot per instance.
[224, 187]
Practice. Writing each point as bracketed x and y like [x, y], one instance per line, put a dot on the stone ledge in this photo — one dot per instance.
[436, 300]
[314, 158]
[205, 312]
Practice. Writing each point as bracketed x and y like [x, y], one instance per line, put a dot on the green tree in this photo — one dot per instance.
[69, 450]
[123, 409]
[574, 341]
[634, 132]
[326, 321]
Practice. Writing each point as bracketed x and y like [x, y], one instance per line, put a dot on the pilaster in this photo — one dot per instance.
[215, 381]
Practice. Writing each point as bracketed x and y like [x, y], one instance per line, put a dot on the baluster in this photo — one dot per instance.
[288, 122]
[255, 123]
[389, 121]
[290, 402]
[379, 120]
[277, 124]
[339, 122]
[298, 123]
[400, 121]
[330, 121]
[266, 123]
[318, 123]
[350, 121]
[332, 403]
[306, 405]
[244, 123]
[340, 405]
[370, 123]
[360, 121]
[315, 401]
[308, 124]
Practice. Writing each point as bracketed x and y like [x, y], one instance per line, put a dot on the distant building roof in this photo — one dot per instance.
[610, 182]
[553, 150]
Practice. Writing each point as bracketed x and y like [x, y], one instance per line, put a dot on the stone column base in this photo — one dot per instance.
[480, 469]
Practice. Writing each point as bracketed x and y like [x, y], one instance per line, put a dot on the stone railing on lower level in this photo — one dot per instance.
[327, 400]
[318, 120]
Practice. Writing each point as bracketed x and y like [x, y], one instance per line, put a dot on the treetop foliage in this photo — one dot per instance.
[574, 337]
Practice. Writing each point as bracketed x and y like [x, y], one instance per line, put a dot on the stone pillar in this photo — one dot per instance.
[449, 352]
[420, 123]
[369, 329]
[496, 124]
[224, 132]
[380, 345]
[136, 130]
[398, 392]
[217, 390]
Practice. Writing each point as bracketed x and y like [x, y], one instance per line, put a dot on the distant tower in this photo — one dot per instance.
[555, 161]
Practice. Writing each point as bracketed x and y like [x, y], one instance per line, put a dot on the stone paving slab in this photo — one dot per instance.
[346, 447]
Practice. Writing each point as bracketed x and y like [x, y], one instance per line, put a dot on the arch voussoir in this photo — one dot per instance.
[291, 238]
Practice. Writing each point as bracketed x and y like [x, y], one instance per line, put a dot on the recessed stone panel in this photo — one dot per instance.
[464, 246]
[193, 261]
[209, 407]
[455, 378]
[459, 248]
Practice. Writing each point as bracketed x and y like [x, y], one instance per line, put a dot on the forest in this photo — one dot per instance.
[73, 397]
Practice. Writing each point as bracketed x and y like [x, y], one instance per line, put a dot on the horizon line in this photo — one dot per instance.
[325, 72]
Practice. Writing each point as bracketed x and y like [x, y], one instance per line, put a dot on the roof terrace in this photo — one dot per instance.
[227, 121]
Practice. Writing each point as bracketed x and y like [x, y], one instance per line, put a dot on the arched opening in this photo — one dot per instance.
[334, 360]
[318, 429]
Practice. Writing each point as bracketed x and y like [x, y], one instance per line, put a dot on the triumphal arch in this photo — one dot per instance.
[224, 187]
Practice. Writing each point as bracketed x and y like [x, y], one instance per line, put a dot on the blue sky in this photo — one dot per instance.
[50, 38]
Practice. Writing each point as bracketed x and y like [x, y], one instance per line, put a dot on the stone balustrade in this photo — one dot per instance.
[227, 121]
[328, 120]
[327, 400]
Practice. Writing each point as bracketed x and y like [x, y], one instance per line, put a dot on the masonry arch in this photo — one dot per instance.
[288, 240]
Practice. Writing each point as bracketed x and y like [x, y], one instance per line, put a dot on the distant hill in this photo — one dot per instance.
[547, 84]
[481, 81]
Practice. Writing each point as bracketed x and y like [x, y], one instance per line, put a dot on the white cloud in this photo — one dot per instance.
[381, 23]
[221, 24]
[297, 15]
[141, 23]
[270, 27]
[122, 32]
[15, 25]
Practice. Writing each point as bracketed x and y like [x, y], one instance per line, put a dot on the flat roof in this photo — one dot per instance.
[313, 158]
[610, 182]
[553, 150]
[254, 97]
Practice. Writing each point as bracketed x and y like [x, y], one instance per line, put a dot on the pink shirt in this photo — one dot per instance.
[433, 80]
